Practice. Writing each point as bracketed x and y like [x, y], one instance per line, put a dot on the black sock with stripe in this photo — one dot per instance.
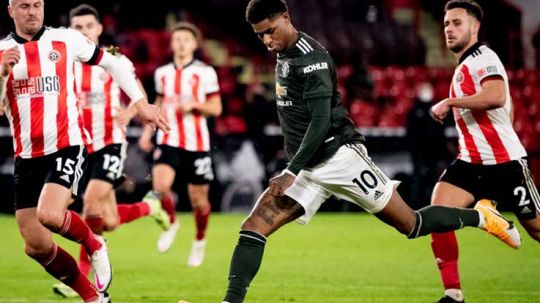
[438, 219]
[245, 263]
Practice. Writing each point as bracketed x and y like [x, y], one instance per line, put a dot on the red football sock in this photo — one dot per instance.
[201, 221]
[84, 262]
[95, 223]
[76, 230]
[63, 267]
[131, 212]
[167, 202]
[446, 251]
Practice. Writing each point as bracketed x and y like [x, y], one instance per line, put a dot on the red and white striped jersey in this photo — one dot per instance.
[195, 81]
[485, 137]
[41, 103]
[99, 97]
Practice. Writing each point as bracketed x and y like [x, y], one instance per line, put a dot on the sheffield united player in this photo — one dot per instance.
[49, 139]
[188, 92]
[492, 163]
[99, 97]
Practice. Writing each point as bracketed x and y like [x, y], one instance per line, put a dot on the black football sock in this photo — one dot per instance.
[245, 263]
[438, 219]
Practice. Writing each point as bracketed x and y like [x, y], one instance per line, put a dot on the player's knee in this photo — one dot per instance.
[109, 227]
[161, 188]
[50, 219]
[91, 201]
[38, 250]
[110, 224]
[199, 201]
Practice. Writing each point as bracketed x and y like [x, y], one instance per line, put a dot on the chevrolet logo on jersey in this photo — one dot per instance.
[317, 66]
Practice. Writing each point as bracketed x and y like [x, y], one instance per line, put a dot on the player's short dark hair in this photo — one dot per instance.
[83, 10]
[258, 10]
[472, 7]
[187, 26]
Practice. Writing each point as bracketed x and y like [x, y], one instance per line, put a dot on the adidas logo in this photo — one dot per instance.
[65, 178]
[377, 195]
[526, 210]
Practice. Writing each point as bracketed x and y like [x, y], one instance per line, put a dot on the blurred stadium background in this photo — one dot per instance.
[384, 51]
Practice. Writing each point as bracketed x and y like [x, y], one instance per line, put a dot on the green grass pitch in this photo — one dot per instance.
[336, 258]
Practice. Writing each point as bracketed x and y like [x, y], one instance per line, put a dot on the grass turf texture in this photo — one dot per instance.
[336, 258]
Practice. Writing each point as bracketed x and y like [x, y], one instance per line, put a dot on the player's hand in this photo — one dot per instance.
[10, 57]
[145, 143]
[124, 115]
[280, 183]
[150, 115]
[440, 110]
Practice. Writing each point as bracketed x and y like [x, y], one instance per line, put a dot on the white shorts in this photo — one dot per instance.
[350, 175]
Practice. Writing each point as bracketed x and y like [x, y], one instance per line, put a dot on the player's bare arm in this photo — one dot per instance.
[125, 115]
[148, 113]
[145, 140]
[493, 95]
[211, 108]
[317, 130]
[10, 57]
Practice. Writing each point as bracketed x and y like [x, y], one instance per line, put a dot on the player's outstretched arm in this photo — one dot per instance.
[492, 95]
[125, 115]
[319, 110]
[145, 140]
[120, 71]
[212, 107]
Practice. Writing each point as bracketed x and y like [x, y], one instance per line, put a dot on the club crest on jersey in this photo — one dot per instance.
[459, 77]
[54, 56]
[104, 76]
[285, 70]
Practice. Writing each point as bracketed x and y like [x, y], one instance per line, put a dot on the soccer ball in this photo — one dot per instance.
[183, 301]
